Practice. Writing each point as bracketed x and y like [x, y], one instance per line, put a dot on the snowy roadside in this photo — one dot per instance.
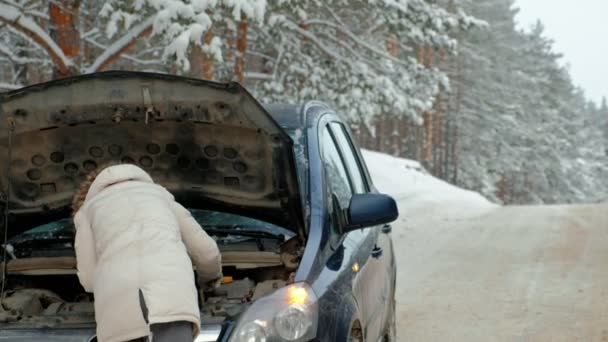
[469, 270]
[419, 194]
[432, 213]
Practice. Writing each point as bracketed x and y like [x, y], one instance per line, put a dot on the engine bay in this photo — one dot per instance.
[58, 301]
[43, 290]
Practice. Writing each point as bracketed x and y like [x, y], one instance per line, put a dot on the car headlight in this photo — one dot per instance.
[288, 314]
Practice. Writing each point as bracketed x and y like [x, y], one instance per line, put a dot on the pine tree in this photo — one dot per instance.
[603, 121]
[525, 131]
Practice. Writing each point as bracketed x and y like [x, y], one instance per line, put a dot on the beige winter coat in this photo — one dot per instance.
[133, 245]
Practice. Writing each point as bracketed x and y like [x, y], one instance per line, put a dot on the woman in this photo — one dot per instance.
[133, 243]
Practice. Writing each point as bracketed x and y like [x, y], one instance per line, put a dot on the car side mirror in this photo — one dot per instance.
[366, 210]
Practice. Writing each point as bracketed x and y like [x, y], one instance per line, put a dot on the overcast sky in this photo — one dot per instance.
[580, 31]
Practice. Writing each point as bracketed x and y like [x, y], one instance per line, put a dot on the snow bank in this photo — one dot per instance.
[418, 191]
[9, 86]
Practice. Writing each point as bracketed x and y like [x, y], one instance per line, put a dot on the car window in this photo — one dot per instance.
[335, 171]
[298, 136]
[350, 159]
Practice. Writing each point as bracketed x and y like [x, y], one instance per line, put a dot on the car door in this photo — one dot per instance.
[360, 242]
[380, 293]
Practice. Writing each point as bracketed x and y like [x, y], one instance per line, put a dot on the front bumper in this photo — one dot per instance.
[209, 333]
[49, 335]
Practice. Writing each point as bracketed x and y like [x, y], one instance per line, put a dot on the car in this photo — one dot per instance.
[284, 190]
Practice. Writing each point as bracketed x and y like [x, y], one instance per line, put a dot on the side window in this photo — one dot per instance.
[350, 158]
[337, 177]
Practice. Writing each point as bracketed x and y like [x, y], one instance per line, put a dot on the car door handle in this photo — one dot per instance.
[387, 228]
[376, 252]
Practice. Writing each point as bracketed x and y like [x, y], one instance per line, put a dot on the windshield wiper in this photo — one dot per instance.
[235, 231]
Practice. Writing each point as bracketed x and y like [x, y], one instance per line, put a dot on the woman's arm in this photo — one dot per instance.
[201, 247]
[86, 257]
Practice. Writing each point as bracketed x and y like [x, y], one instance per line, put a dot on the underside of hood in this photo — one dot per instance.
[211, 144]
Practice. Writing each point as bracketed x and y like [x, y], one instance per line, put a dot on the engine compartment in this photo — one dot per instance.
[46, 302]
[43, 291]
[53, 301]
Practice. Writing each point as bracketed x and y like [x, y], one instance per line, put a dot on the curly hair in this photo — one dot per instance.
[83, 189]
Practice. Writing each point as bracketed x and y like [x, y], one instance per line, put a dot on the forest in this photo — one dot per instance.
[455, 84]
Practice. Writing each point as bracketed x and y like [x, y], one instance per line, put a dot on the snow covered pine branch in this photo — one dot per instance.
[331, 50]
[29, 29]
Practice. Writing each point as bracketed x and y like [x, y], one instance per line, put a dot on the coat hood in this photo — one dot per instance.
[117, 174]
[211, 144]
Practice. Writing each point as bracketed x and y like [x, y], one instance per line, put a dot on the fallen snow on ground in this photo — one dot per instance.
[416, 190]
[469, 270]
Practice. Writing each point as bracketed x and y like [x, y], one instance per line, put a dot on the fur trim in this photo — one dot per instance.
[81, 195]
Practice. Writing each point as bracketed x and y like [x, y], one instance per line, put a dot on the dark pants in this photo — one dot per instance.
[172, 332]
[169, 332]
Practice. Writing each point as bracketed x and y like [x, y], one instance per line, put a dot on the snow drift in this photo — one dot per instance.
[418, 192]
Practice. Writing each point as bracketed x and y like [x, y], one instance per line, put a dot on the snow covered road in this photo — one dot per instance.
[511, 274]
[470, 271]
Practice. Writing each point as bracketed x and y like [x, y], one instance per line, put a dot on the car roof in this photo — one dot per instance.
[287, 115]
[290, 116]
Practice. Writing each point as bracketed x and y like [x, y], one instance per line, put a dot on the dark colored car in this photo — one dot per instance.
[304, 235]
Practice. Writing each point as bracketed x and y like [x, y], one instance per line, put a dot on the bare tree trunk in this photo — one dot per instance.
[392, 48]
[501, 189]
[241, 49]
[438, 142]
[424, 55]
[392, 45]
[196, 58]
[202, 64]
[378, 131]
[445, 165]
[384, 134]
[87, 51]
[396, 137]
[404, 135]
[427, 154]
[377, 127]
[419, 143]
[64, 30]
[363, 136]
[455, 154]
[208, 62]
[453, 114]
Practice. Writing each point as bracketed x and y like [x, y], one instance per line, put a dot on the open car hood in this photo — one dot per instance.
[211, 144]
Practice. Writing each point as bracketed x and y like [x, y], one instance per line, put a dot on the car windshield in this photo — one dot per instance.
[221, 220]
[63, 230]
